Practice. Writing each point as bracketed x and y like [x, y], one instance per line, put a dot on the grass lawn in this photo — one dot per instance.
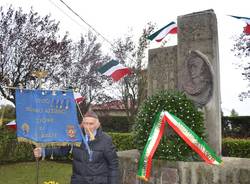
[25, 173]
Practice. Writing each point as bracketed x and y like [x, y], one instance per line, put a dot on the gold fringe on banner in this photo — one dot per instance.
[49, 144]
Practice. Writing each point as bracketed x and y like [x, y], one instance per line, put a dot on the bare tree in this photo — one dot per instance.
[30, 43]
[87, 57]
[132, 55]
[241, 48]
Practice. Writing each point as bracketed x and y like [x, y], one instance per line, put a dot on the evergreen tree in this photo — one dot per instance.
[234, 113]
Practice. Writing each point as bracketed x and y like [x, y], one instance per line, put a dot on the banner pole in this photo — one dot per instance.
[92, 137]
[37, 170]
[39, 75]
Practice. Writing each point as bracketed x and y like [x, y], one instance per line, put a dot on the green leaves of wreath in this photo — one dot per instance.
[171, 146]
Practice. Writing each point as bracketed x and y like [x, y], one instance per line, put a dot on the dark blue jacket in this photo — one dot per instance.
[102, 169]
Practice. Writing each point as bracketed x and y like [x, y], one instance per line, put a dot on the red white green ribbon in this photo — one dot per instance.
[151, 146]
[193, 140]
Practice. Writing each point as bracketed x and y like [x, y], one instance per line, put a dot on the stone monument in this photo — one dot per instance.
[192, 67]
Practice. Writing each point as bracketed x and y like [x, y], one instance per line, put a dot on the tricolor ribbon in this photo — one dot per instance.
[193, 140]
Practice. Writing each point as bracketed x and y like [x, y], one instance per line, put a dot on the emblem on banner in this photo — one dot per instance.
[26, 128]
[71, 132]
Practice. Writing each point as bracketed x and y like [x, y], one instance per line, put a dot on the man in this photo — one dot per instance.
[102, 168]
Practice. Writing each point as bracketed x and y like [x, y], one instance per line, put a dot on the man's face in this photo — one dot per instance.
[90, 124]
[195, 66]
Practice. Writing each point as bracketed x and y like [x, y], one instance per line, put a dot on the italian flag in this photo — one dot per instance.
[159, 35]
[247, 21]
[115, 70]
[12, 125]
[78, 97]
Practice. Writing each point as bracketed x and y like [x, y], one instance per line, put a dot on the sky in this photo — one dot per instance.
[116, 18]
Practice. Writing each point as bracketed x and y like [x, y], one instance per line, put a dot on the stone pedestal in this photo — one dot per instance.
[233, 171]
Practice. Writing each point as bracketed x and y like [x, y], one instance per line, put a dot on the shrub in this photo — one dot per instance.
[11, 150]
[171, 146]
[122, 141]
[236, 147]
[114, 124]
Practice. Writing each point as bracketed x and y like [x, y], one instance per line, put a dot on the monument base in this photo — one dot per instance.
[232, 171]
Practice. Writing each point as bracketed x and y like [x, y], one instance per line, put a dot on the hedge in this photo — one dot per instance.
[11, 151]
[114, 124]
[123, 141]
[232, 147]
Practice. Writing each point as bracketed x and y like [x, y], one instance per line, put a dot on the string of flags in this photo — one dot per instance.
[171, 28]
[115, 70]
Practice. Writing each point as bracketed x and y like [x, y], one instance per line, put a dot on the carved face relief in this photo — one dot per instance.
[197, 78]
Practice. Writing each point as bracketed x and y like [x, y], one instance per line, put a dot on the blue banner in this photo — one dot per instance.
[47, 117]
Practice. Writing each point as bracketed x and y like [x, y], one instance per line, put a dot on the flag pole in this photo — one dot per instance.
[92, 137]
[37, 170]
[39, 74]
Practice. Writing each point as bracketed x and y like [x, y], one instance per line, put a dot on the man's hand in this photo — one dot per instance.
[37, 152]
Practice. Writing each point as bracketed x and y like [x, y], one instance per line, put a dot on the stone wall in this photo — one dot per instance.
[232, 171]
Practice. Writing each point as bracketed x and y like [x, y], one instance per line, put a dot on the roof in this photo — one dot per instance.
[113, 105]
